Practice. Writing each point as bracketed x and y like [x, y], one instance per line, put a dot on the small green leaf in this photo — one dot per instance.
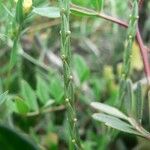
[11, 140]
[19, 12]
[122, 89]
[139, 102]
[14, 55]
[3, 97]
[42, 90]
[28, 95]
[109, 110]
[81, 68]
[56, 88]
[48, 103]
[128, 99]
[82, 11]
[114, 122]
[50, 12]
[21, 106]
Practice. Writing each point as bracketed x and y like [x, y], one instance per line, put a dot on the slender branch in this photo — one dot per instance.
[112, 19]
[144, 133]
[144, 53]
[45, 111]
[66, 55]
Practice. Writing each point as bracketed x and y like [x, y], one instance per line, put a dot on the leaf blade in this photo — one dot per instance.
[109, 110]
[28, 95]
[50, 12]
[114, 122]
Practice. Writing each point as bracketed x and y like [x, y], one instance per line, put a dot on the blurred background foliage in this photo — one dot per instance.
[36, 107]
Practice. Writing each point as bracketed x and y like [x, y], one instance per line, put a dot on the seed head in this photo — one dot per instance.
[75, 119]
[73, 140]
[130, 36]
[70, 77]
[67, 100]
[68, 32]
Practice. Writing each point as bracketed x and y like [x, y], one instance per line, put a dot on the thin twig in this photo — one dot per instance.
[45, 111]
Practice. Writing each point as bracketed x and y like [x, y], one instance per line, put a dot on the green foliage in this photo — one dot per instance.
[14, 56]
[98, 4]
[29, 96]
[109, 110]
[55, 89]
[56, 60]
[21, 106]
[81, 68]
[3, 97]
[19, 12]
[42, 90]
[130, 39]
[138, 103]
[118, 120]
[16, 141]
[114, 123]
[50, 12]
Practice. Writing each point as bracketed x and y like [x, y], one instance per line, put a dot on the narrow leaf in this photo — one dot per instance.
[114, 122]
[56, 86]
[139, 102]
[14, 56]
[11, 140]
[109, 110]
[81, 68]
[42, 90]
[128, 99]
[48, 103]
[19, 12]
[28, 95]
[81, 11]
[50, 12]
[21, 106]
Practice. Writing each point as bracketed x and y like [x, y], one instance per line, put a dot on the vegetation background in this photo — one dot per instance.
[32, 101]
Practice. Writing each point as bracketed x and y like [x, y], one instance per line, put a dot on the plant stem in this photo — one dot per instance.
[46, 110]
[66, 56]
[144, 133]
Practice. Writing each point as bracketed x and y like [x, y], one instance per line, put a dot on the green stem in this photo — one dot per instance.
[131, 32]
[67, 70]
[13, 58]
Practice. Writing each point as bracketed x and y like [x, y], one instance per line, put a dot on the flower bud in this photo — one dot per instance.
[27, 4]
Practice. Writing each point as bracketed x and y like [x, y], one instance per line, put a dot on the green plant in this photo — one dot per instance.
[49, 76]
[132, 106]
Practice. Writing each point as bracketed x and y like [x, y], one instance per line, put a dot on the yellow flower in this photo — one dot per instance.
[27, 4]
